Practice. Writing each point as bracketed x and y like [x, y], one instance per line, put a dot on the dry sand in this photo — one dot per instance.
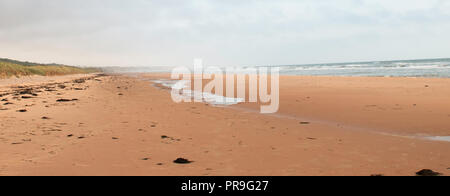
[123, 125]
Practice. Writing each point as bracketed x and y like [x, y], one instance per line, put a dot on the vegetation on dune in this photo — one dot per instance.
[10, 68]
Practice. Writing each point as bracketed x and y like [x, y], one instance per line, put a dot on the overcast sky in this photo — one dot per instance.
[222, 32]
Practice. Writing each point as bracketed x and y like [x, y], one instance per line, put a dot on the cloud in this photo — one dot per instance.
[232, 32]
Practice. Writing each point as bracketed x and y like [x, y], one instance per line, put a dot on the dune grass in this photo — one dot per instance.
[9, 68]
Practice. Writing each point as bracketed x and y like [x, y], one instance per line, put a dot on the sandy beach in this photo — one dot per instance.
[125, 125]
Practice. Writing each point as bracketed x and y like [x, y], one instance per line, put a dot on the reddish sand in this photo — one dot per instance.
[357, 126]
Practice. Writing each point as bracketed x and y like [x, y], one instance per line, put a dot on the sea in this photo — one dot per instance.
[403, 68]
[439, 68]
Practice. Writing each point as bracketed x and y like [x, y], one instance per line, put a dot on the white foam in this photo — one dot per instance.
[180, 84]
[206, 97]
[439, 138]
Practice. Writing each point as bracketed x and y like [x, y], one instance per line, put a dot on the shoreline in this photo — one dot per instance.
[167, 74]
[421, 136]
[389, 96]
[117, 126]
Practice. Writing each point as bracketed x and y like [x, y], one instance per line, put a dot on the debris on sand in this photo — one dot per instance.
[427, 172]
[70, 135]
[79, 81]
[23, 110]
[66, 100]
[145, 159]
[171, 138]
[377, 175]
[26, 92]
[50, 90]
[45, 118]
[305, 123]
[182, 161]
[115, 138]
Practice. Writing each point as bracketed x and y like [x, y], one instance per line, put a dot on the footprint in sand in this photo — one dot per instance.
[153, 124]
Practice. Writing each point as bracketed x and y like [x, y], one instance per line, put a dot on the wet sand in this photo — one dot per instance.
[123, 125]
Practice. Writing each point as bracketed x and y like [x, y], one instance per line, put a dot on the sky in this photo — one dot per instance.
[222, 32]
